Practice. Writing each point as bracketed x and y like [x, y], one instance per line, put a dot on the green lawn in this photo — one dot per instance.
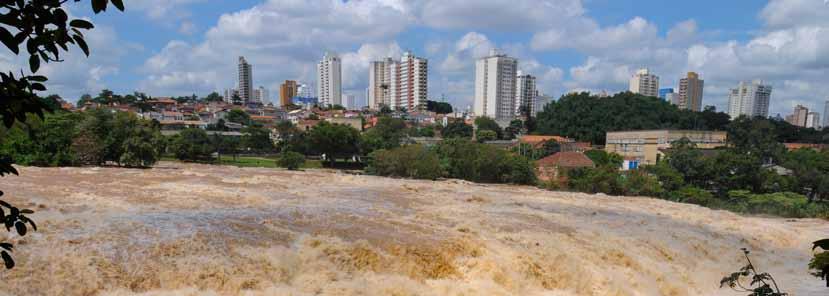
[263, 162]
[254, 162]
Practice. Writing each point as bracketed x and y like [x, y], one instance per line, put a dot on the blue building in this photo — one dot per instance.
[663, 93]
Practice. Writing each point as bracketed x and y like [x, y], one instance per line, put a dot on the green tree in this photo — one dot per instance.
[457, 129]
[238, 116]
[411, 161]
[586, 117]
[226, 145]
[484, 123]
[514, 129]
[193, 145]
[86, 98]
[604, 159]
[820, 262]
[141, 148]
[334, 140]
[811, 172]
[290, 138]
[387, 134]
[45, 27]
[486, 136]
[550, 147]
[257, 139]
[213, 97]
[290, 160]
[757, 137]
[438, 107]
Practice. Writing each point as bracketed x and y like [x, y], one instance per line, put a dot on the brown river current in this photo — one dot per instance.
[212, 230]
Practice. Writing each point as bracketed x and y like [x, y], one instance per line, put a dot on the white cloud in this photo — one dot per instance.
[283, 39]
[79, 74]
[162, 9]
[499, 15]
[791, 13]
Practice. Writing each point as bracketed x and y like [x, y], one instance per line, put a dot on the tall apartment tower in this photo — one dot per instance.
[750, 99]
[645, 83]
[261, 95]
[690, 92]
[287, 91]
[525, 95]
[245, 80]
[813, 120]
[799, 117]
[411, 89]
[304, 90]
[826, 113]
[379, 83]
[495, 79]
[329, 80]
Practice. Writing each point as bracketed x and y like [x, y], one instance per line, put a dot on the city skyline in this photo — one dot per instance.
[593, 45]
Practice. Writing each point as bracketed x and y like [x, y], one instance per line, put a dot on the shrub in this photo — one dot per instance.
[483, 163]
[640, 183]
[693, 195]
[595, 180]
[412, 161]
[784, 204]
[290, 160]
[486, 136]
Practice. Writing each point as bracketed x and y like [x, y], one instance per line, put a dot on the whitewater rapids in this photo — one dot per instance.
[183, 229]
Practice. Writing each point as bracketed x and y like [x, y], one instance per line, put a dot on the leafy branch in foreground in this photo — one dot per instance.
[758, 284]
[820, 263]
[44, 29]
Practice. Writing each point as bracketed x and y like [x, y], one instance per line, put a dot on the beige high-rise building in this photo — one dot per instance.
[799, 117]
[402, 84]
[690, 92]
[645, 83]
[379, 83]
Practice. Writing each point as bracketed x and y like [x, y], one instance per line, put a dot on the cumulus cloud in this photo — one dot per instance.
[288, 50]
[79, 74]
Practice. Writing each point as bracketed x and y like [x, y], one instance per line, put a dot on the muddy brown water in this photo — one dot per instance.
[186, 229]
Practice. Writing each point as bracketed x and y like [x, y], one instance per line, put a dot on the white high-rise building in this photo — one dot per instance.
[525, 94]
[379, 83]
[261, 95]
[826, 113]
[229, 94]
[329, 80]
[495, 79]
[750, 99]
[541, 100]
[813, 120]
[645, 83]
[350, 101]
[673, 98]
[304, 90]
[245, 80]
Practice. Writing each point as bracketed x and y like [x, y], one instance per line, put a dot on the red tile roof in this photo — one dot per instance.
[566, 160]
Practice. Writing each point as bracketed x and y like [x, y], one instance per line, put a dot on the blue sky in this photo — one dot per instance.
[181, 47]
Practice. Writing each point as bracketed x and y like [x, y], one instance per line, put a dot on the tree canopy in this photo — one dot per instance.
[586, 117]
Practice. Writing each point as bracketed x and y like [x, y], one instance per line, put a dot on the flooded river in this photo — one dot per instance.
[212, 230]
